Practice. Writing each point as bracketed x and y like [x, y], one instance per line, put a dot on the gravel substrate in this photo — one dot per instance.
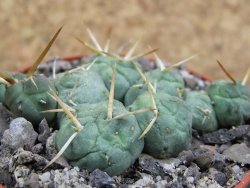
[217, 159]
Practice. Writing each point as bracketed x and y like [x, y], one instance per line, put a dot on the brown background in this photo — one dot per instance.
[212, 29]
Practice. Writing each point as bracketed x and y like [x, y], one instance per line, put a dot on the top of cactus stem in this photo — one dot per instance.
[42, 55]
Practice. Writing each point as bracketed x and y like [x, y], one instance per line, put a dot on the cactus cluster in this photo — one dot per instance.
[110, 109]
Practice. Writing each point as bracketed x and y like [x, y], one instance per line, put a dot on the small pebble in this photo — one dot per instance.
[99, 178]
[238, 153]
[20, 134]
[38, 148]
[44, 131]
[203, 157]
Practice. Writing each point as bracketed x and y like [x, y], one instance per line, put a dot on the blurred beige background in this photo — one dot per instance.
[212, 29]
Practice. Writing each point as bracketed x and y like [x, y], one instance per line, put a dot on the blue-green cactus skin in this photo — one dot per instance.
[126, 74]
[204, 117]
[16, 76]
[169, 82]
[231, 102]
[80, 86]
[28, 100]
[2, 92]
[172, 131]
[109, 145]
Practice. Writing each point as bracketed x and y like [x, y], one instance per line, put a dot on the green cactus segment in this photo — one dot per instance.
[80, 86]
[126, 74]
[171, 133]
[16, 76]
[2, 92]
[169, 82]
[109, 145]
[231, 102]
[28, 100]
[204, 118]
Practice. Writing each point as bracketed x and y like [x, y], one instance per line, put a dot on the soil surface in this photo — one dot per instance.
[212, 29]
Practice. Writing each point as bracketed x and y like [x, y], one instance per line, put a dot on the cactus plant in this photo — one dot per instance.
[106, 139]
[102, 143]
[203, 115]
[230, 102]
[171, 132]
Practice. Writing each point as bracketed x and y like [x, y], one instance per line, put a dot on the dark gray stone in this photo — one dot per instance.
[5, 156]
[238, 153]
[150, 165]
[51, 151]
[203, 157]
[218, 176]
[223, 147]
[190, 82]
[21, 174]
[219, 162]
[60, 66]
[175, 184]
[223, 136]
[101, 179]
[192, 171]
[38, 148]
[5, 117]
[20, 134]
[22, 157]
[33, 180]
[247, 137]
[186, 157]
[146, 181]
[44, 132]
[146, 64]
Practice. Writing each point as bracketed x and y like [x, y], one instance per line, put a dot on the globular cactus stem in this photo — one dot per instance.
[230, 100]
[107, 139]
[27, 96]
